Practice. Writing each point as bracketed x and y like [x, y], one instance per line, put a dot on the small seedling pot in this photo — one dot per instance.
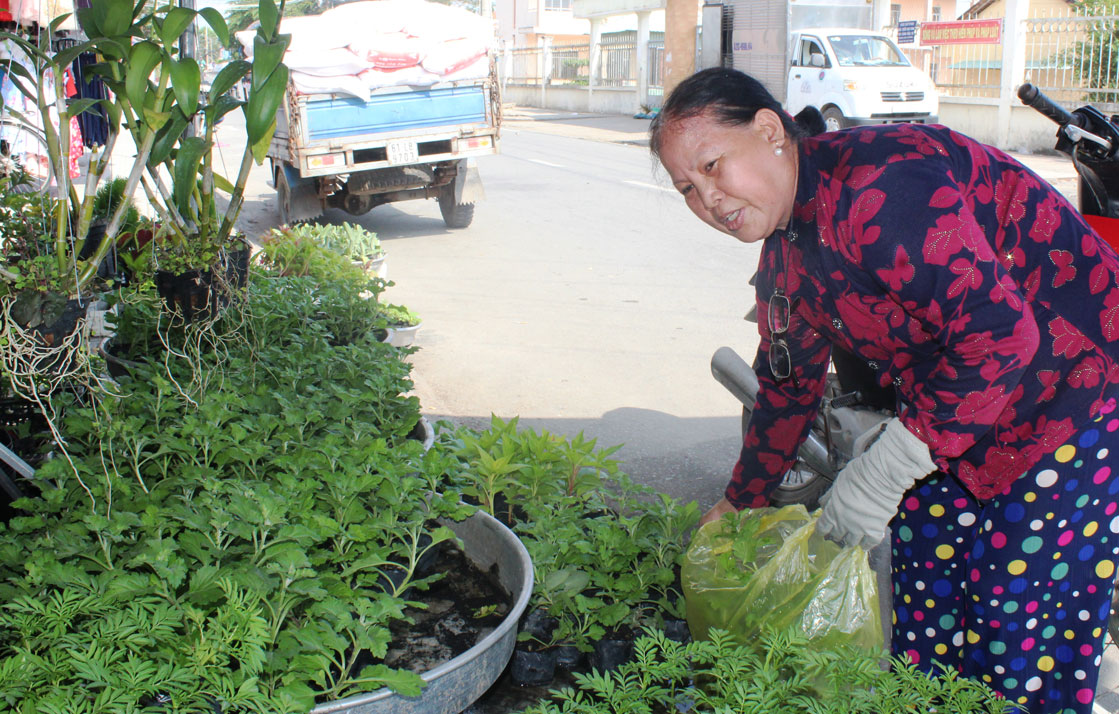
[568, 657]
[677, 630]
[609, 654]
[539, 624]
[532, 669]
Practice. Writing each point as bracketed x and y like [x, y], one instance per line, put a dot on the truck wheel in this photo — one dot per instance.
[833, 119]
[283, 197]
[295, 205]
[455, 215]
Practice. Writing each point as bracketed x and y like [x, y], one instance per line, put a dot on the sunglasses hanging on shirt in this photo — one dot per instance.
[780, 313]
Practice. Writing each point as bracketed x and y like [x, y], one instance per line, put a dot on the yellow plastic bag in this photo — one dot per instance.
[768, 568]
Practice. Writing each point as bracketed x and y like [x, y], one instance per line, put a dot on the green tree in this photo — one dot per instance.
[1094, 59]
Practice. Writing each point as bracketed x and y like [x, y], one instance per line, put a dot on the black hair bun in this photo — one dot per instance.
[811, 120]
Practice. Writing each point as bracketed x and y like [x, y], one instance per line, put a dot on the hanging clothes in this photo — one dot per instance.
[94, 125]
[77, 148]
[31, 150]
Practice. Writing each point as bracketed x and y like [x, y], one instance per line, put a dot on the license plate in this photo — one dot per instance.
[403, 151]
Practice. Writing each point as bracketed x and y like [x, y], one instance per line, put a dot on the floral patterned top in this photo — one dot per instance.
[956, 274]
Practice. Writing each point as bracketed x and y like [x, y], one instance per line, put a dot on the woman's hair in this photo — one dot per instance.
[734, 98]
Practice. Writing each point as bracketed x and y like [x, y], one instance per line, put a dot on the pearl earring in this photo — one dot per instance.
[777, 150]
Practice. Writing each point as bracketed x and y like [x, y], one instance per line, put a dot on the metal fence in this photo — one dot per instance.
[571, 65]
[1072, 57]
[617, 64]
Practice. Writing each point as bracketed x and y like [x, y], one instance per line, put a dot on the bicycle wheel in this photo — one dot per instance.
[23, 150]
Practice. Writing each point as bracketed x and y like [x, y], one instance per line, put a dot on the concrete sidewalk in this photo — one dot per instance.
[1055, 168]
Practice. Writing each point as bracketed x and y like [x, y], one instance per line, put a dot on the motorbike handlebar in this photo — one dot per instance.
[1031, 96]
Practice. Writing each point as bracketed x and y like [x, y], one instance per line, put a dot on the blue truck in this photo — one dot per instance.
[402, 143]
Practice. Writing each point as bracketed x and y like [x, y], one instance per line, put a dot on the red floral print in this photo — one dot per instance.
[957, 275]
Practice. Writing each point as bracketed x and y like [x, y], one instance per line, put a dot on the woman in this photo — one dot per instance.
[972, 286]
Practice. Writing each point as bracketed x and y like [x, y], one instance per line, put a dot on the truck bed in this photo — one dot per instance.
[323, 134]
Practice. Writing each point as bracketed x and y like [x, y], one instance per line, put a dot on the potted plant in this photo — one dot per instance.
[403, 324]
[157, 92]
[354, 242]
[39, 79]
[43, 312]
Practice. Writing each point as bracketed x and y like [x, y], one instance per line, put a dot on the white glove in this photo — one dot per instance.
[868, 490]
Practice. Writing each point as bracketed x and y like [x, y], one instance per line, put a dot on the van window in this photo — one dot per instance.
[866, 51]
[810, 46]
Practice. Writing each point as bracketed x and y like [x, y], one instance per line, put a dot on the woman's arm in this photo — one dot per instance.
[783, 414]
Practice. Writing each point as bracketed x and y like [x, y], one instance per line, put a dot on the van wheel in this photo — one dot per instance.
[834, 120]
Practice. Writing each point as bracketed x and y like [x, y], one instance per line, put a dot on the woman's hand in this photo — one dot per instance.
[717, 511]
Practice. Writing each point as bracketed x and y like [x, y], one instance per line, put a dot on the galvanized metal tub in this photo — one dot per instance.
[455, 685]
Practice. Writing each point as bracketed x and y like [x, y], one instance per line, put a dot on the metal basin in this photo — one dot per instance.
[455, 685]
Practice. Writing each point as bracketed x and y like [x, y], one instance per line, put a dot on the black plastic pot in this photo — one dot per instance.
[189, 295]
[568, 657]
[609, 654]
[678, 631]
[116, 365]
[532, 669]
[194, 296]
[539, 624]
[237, 267]
[63, 326]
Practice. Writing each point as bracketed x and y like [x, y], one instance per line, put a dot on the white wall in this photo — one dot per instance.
[1030, 132]
[603, 100]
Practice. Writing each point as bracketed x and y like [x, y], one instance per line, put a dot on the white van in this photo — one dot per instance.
[856, 77]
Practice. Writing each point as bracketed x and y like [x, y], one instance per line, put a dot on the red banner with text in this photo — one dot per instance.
[962, 32]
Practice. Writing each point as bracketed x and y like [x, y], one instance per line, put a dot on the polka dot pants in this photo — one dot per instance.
[1015, 592]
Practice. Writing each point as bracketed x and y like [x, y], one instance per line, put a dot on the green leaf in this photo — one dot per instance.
[115, 17]
[155, 119]
[89, 19]
[56, 22]
[175, 24]
[80, 106]
[229, 76]
[260, 148]
[186, 80]
[112, 49]
[404, 683]
[260, 113]
[220, 107]
[217, 23]
[222, 183]
[23, 79]
[269, 16]
[166, 139]
[142, 61]
[186, 171]
[66, 57]
[267, 57]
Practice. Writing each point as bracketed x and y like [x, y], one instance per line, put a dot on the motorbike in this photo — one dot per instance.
[853, 403]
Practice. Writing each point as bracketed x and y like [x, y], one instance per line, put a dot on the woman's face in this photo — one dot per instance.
[731, 175]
